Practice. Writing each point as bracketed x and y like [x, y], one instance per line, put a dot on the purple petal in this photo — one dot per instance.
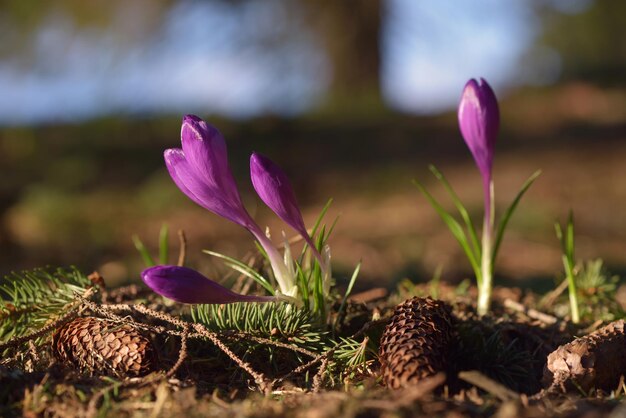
[179, 169]
[479, 121]
[190, 183]
[274, 189]
[205, 149]
[185, 285]
[201, 171]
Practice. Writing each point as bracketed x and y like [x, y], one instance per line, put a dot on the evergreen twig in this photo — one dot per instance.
[30, 300]
[67, 316]
[16, 341]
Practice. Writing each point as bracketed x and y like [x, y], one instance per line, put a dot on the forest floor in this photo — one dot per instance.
[499, 370]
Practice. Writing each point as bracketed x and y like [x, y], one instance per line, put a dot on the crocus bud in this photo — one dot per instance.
[185, 285]
[274, 189]
[200, 170]
[479, 120]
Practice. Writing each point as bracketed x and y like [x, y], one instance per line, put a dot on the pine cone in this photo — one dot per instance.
[416, 342]
[100, 346]
[595, 360]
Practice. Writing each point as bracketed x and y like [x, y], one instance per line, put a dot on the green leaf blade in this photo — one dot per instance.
[456, 230]
[243, 269]
[471, 229]
[509, 212]
[163, 244]
[143, 251]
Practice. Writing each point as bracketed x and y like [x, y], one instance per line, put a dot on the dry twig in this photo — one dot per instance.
[405, 397]
[551, 297]
[182, 252]
[182, 354]
[480, 380]
[530, 312]
[318, 379]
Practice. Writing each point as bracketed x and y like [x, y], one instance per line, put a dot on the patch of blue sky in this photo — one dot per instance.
[206, 57]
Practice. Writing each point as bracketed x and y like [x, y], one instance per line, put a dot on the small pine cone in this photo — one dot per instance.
[597, 360]
[101, 346]
[416, 342]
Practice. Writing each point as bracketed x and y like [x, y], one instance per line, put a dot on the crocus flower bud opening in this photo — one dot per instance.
[479, 121]
[185, 285]
[274, 189]
[200, 170]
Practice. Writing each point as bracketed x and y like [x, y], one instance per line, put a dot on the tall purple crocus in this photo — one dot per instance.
[479, 121]
[185, 285]
[274, 189]
[200, 170]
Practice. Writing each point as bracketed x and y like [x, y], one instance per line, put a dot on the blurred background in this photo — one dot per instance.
[353, 99]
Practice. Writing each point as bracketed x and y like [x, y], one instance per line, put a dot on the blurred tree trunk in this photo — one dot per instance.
[350, 33]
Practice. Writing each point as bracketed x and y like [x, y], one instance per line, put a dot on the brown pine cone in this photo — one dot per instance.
[416, 342]
[101, 346]
[597, 360]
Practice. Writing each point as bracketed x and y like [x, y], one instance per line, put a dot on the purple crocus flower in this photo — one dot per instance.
[200, 170]
[274, 189]
[185, 285]
[479, 120]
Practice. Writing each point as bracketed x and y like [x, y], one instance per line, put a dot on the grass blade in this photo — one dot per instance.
[318, 221]
[316, 226]
[303, 284]
[163, 247]
[507, 215]
[454, 227]
[143, 252]
[569, 242]
[348, 291]
[244, 269]
[459, 206]
[567, 245]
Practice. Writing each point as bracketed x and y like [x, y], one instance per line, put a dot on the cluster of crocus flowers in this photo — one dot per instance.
[200, 170]
[479, 121]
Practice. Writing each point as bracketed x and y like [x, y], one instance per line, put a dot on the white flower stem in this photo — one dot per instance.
[484, 291]
[283, 278]
[486, 285]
